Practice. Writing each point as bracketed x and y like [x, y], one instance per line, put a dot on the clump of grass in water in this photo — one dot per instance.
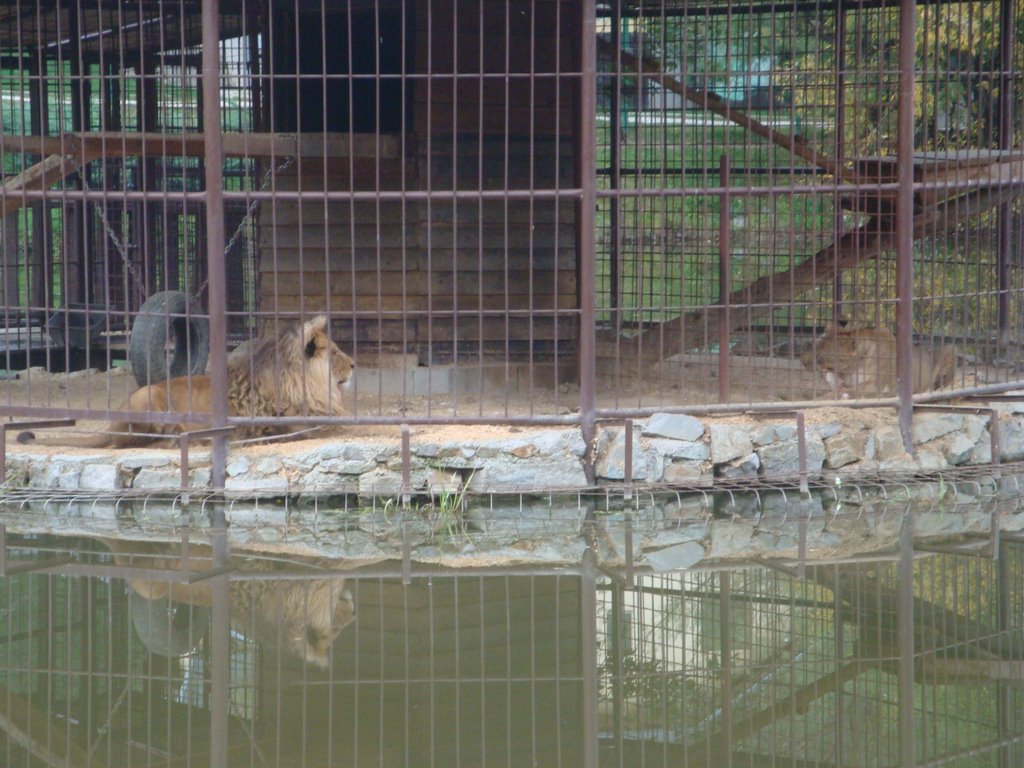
[446, 513]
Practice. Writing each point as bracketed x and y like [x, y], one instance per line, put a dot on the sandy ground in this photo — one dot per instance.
[495, 393]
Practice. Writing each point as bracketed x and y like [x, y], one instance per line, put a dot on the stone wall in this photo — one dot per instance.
[673, 450]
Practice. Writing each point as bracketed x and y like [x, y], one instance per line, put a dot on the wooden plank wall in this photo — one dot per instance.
[447, 278]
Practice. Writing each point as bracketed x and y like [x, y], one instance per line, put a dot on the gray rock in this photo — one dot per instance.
[157, 479]
[767, 434]
[611, 460]
[782, 459]
[268, 465]
[745, 467]
[932, 457]
[976, 425]
[825, 431]
[138, 461]
[678, 426]
[845, 448]
[982, 453]
[675, 558]
[344, 466]
[237, 466]
[731, 538]
[928, 425]
[689, 507]
[99, 477]
[729, 442]
[1011, 438]
[959, 449]
[889, 446]
[678, 449]
[508, 476]
[687, 473]
[380, 482]
[251, 482]
[426, 450]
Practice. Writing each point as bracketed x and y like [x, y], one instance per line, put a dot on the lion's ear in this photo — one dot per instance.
[314, 327]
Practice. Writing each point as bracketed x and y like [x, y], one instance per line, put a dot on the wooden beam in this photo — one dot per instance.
[43, 175]
[90, 145]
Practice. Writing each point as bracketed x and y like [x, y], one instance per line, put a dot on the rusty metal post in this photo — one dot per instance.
[217, 305]
[217, 285]
[725, 649]
[1007, 15]
[1005, 717]
[839, 149]
[588, 653]
[724, 267]
[905, 638]
[905, 224]
[585, 223]
[627, 473]
[220, 637]
[406, 467]
[615, 161]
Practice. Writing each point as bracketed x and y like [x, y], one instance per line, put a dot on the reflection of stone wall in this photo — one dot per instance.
[722, 488]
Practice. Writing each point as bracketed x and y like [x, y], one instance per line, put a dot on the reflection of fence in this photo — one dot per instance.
[907, 659]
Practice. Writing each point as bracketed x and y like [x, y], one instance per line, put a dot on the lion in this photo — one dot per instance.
[301, 616]
[299, 373]
[862, 361]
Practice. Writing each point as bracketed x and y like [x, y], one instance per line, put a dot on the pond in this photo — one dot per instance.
[120, 653]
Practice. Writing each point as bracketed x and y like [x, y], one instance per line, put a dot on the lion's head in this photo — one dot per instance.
[830, 350]
[300, 372]
[299, 617]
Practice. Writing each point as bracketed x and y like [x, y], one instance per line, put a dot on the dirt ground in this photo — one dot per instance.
[475, 393]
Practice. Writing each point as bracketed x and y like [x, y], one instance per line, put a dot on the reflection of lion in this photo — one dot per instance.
[299, 373]
[302, 616]
[862, 361]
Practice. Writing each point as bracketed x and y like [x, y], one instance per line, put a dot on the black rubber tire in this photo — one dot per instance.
[168, 628]
[169, 338]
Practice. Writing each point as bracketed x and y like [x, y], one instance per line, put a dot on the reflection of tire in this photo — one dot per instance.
[169, 338]
[168, 628]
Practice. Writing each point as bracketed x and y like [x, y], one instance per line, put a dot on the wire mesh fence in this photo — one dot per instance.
[504, 211]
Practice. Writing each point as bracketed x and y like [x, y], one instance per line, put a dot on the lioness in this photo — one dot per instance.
[302, 616]
[299, 373]
[862, 361]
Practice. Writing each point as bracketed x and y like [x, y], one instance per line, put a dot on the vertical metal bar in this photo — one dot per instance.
[905, 637]
[183, 446]
[1005, 715]
[217, 304]
[217, 285]
[724, 268]
[801, 450]
[627, 473]
[725, 627]
[995, 443]
[630, 571]
[585, 170]
[615, 160]
[615, 644]
[1007, 13]
[406, 467]
[219, 679]
[588, 648]
[905, 223]
[840, 142]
